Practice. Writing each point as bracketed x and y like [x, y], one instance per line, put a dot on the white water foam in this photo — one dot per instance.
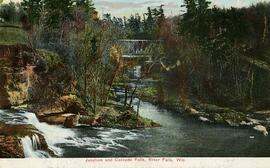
[31, 147]
[53, 134]
[106, 140]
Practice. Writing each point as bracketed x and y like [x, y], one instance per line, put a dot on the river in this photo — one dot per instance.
[178, 137]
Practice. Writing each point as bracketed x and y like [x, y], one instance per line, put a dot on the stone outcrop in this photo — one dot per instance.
[4, 101]
[10, 140]
[13, 74]
[261, 129]
[11, 147]
[40, 79]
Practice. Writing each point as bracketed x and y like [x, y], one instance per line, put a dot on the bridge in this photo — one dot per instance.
[135, 54]
[135, 48]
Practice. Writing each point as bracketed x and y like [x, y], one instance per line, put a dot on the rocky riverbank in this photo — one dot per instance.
[75, 114]
[212, 114]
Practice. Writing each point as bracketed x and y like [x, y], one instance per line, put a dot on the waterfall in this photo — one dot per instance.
[31, 146]
[52, 133]
[35, 142]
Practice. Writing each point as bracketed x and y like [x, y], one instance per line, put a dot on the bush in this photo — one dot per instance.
[12, 35]
[11, 12]
[51, 58]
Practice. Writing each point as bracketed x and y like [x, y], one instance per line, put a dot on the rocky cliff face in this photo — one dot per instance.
[40, 80]
[37, 78]
[13, 76]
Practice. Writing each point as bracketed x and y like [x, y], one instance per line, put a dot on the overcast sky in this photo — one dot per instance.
[121, 8]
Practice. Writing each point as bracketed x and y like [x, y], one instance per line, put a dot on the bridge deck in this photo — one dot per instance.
[136, 56]
[139, 40]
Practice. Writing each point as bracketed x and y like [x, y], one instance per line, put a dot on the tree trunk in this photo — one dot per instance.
[85, 81]
[134, 91]
[126, 96]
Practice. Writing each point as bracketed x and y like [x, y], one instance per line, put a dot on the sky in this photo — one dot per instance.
[122, 8]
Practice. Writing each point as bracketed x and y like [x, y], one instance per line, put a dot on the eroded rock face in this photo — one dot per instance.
[11, 140]
[4, 101]
[14, 78]
[10, 147]
[17, 130]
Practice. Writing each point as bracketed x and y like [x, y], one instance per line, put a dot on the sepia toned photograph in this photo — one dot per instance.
[124, 81]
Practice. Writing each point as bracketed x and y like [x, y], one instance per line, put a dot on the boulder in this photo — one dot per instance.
[261, 129]
[193, 111]
[56, 119]
[71, 121]
[203, 119]
[125, 116]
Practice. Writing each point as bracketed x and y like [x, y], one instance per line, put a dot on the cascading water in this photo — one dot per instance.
[27, 147]
[31, 147]
[54, 135]
[35, 142]
[60, 139]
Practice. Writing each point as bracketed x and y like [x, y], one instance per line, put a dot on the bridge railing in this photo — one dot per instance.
[136, 47]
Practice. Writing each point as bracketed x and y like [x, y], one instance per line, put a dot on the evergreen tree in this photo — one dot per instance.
[195, 21]
[57, 11]
[149, 23]
[134, 24]
[87, 5]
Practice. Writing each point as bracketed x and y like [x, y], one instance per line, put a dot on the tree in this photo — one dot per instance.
[195, 19]
[134, 26]
[33, 9]
[9, 12]
[97, 61]
[154, 21]
[87, 5]
[149, 23]
[57, 12]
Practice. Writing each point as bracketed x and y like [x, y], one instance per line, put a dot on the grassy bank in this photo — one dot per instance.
[11, 35]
